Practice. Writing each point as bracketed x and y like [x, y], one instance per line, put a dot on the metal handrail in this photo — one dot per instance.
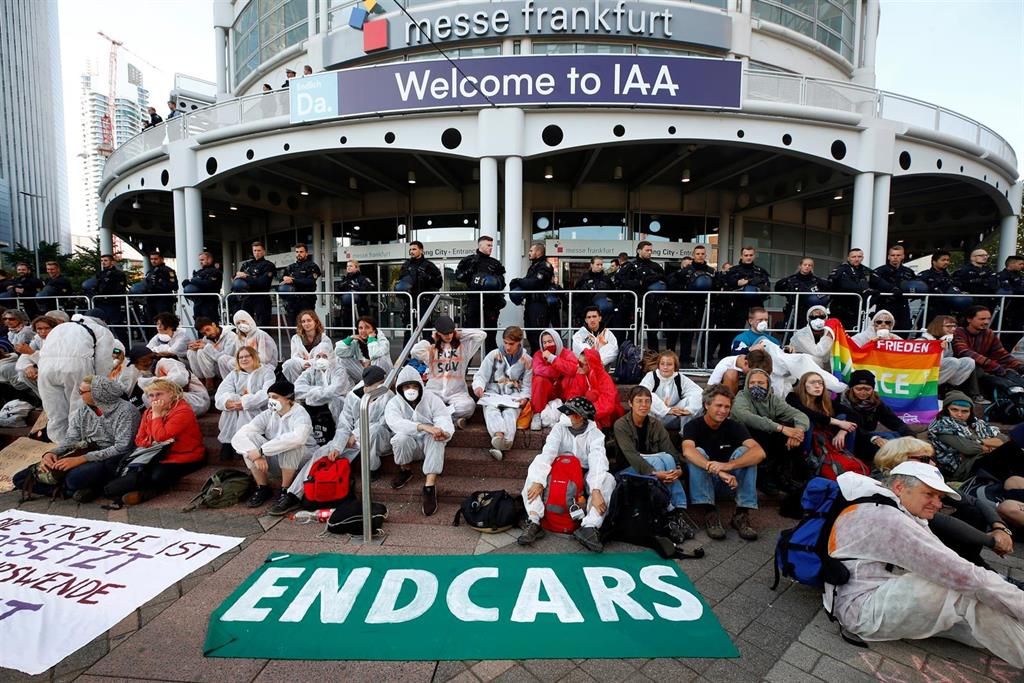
[364, 414]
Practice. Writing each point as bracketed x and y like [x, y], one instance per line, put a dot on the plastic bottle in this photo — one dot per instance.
[307, 516]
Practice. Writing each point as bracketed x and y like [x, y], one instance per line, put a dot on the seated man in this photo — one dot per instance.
[994, 364]
[502, 386]
[106, 424]
[730, 370]
[757, 323]
[283, 432]
[722, 457]
[676, 399]
[345, 443]
[169, 337]
[778, 427]
[204, 354]
[575, 434]
[904, 582]
[552, 364]
[422, 426]
[645, 443]
[594, 335]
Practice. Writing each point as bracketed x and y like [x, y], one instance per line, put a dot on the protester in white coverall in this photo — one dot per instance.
[170, 337]
[250, 335]
[26, 367]
[904, 582]
[309, 338]
[73, 350]
[365, 348]
[193, 391]
[20, 334]
[503, 385]
[447, 358]
[575, 434]
[204, 354]
[816, 339]
[323, 383]
[241, 397]
[594, 335]
[675, 398]
[422, 425]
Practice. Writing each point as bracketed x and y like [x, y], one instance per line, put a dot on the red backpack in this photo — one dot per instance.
[327, 482]
[563, 493]
[832, 461]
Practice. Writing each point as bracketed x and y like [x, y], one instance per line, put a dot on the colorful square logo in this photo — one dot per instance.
[357, 18]
[375, 35]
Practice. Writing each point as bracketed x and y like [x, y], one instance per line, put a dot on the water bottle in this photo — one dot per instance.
[308, 516]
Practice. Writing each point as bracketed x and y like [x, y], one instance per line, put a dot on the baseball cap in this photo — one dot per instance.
[444, 324]
[926, 474]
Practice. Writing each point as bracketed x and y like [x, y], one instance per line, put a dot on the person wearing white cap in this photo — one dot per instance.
[904, 582]
[447, 358]
[881, 326]
[816, 338]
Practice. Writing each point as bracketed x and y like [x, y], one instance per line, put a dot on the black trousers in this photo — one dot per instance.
[150, 480]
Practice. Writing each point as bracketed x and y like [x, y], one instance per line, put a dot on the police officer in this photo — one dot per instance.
[24, 287]
[897, 278]
[750, 279]
[539, 277]
[697, 276]
[353, 281]
[254, 277]
[109, 281]
[54, 286]
[481, 272]
[595, 279]
[1011, 281]
[940, 281]
[803, 281]
[417, 275]
[642, 275]
[159, 280]
[207, 280]
[856, 278]
[976, 277]
[300, 276]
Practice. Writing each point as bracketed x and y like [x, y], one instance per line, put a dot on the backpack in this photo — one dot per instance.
[637, 514]
[829, 462]
[629, 368]
[564, 495]
[1007, 405]
[801, 553]
[347, 517]
[327, 482]
[223, 489]
[14, 412]
[491, 512]
[658, 381]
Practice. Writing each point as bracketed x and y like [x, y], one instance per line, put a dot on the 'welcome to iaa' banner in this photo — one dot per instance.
[466, 607]
[906, 371]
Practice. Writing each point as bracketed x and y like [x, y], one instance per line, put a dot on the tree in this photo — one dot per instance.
[77, 267]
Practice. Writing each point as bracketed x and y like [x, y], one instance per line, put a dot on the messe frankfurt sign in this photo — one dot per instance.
[614, 80]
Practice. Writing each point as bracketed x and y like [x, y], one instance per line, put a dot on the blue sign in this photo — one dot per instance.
[314, 98]
[617, 80]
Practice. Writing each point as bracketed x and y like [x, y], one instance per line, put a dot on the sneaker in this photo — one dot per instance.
[532, 532]
[980, 400]
[401, 479]
[460, 423]
[680, 526]
[589, 538]
[498, 443]
[429, 500]
[284, 504]
[496, 453]
[535, 424]
[713, 525]
[741, 523]
[84, 495]
[259, 497]
[507, 445]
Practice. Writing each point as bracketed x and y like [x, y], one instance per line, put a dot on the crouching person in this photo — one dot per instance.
[722, 458]
[575, 434]
[502, 385]
[422, 426]
[283, 432]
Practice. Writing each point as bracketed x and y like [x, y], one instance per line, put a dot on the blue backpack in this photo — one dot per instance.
[630, 366]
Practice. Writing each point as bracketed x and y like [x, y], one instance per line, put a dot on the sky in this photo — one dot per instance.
[966, 55]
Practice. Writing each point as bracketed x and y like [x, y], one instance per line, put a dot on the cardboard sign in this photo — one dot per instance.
[19, 455]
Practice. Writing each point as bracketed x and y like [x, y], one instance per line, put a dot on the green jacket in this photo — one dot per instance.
[766, 415]
[657, 442]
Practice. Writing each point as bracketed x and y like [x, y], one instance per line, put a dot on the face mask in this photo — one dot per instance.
[761, 326]
[163, 338]
[758, 393]
[550, 348]
[244, 328]
[817, 324]
[321, 364]
[882, 332]
[947, 338]
[564, 419]
[411, 394]
[274, 405]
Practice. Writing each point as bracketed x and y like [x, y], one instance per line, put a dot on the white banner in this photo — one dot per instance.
[399, 251]
[612, 248]
[65, 581]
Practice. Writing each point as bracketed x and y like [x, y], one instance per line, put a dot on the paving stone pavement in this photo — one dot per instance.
[783, 636]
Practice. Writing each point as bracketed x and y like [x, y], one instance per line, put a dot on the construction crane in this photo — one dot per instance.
[106, 146]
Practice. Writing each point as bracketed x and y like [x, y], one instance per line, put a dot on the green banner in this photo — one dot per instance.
[466, 607]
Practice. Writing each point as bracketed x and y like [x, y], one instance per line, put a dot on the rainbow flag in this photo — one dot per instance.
[906, 371]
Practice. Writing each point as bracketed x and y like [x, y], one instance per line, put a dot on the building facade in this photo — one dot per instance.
[32, 165]
[590, 124]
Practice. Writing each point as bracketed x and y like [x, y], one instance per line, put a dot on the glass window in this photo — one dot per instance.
[829, 22]
[559, 48]
[579, 225]
[281, 24]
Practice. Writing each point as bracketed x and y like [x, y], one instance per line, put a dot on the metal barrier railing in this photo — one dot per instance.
[38, 305]
[132, 314]
[1007, 310]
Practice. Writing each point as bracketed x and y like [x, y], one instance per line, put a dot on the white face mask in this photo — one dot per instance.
[564, 419]
[322, 364]
[947, 338]
[274, 405]
[411, 394]
[882, 332]
[244, 328]
[761, 326]
[163, 338]
[817, 324]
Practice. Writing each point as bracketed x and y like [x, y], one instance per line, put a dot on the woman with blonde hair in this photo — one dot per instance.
[675, 399]
[957, 372]
[241, 396]
[309, 338]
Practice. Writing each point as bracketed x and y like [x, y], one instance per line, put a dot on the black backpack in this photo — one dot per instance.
[658, 381]
[630, 366]
[1007, 405]
[347, 517]
[638, 514]
[491, 512]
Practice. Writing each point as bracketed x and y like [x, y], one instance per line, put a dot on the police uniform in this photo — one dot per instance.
[351, 283]
[473, 271]
[113, 283]
[939, 282]
[416, 276]
[855, 280]
[260, 273]
[895, 302]
[304, 275]
[159, 280]
[687, 311]
[29, 286]
[206, 280]
[801, 284]
[1011, 282]
[731, 312]
[641, 276]
[976, 280]
[539, 277]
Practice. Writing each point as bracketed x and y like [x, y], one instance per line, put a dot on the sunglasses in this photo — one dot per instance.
[887, 323]
[921, 458]
[818, 317]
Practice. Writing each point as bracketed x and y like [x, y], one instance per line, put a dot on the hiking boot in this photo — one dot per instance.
[84, 495]
[429, 500]
[713, 525]
[741, 523]
[375, 474]
[535, 424]
[680, 526]
[133, 498]
[284, 504]
[532, 532]
[227, 453]
[401, 479]
[496, 453]
[258, 498]
[460, 423]
[589, 538]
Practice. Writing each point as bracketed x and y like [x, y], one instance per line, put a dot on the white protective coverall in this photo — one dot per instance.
[206, 362]
[176, 343]
[788, 368]
[300, 359]
[351, 357]
[83, 346]
[588, 447]
[15, 372]
[503, 382]
[254, 338]
[665, 396]
[9, 364]
[248, 387]
[820, 350]
[931, 591]
[446, 369]
[408, 443]
[323, 387]
[284, 439]
[194, 391]
[585, 339]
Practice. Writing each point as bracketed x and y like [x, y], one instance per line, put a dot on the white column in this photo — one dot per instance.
[1008, 227]
[193, 231]
[180, 234]
[736, 245]
[863, 193]
[513, 246]
[221, 51]
[227, 251]
[879, 221]
[106, 240]
[725, 200]
[311, 18]
[489, 196]
[330, 255]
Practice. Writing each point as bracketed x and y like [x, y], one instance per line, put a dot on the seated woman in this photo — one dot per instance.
[965, 444]
[876, 422]
[365, 348]
[309, 338]
[172, 369]
[170, 338]
[168, 418]
[322, 388]
[241, 397]
[592, 382]
[828, 432]
[552, 364]
[880, 327]
[26, 367]
[816, 338]
[447, 358]
[675, 399]
[957, 372]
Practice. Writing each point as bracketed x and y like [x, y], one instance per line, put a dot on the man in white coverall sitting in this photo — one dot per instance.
[904, 582]
[577, 434]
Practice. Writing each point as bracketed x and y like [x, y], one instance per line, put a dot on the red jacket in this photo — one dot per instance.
[597, 387]
[179, 424]
[986, 350]
[564, 365]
